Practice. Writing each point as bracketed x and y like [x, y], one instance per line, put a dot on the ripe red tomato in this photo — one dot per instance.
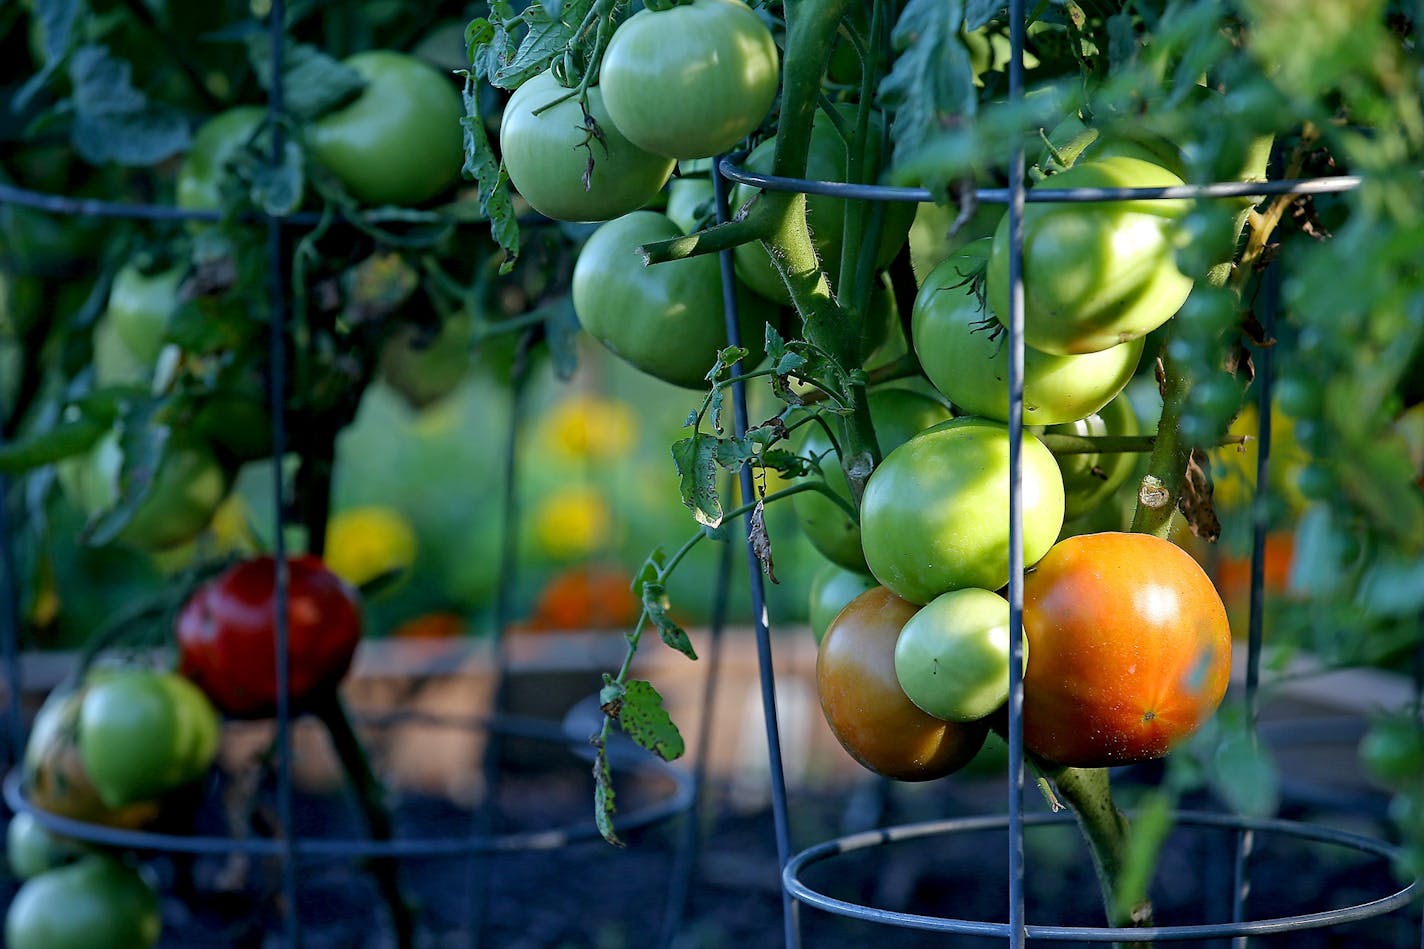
[227, 634]
[870, 715]
[1129, 650]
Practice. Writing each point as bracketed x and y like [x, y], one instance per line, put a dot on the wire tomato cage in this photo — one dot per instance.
[1017, 930]
[678, 789]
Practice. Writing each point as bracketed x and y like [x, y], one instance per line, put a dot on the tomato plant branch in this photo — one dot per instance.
[371, 795]
[1065, 444]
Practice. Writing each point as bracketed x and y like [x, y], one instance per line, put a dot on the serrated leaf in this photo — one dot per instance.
[979, 12]
[931, 86]
[64, 440]
[313, 83]
[113, 121]
[1245, 776]
[548, 35]
[696, 460]
[646, 721]
[603, 796]
[655, 605]
[484, 168]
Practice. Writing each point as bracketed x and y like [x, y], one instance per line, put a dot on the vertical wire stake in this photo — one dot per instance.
[1017, 924]
[791, 924]
[1245, 838]
[277, 288]
[486, 815]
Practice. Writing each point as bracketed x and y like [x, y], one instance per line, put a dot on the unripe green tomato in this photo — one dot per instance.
[1095, 273]
[685, 197]
[139, 307]
[952, 657]
[666, 320]
[897, 414]
[964, 352]
[547, 155]
[143, 733]
[30, 848]
[96, 903]
[690, 81]
[935, 513]
[399, 141]
[831, 589]
[1091, 478]
[217, 142]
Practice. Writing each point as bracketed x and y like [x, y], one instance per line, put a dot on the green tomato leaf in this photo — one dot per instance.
[548, 35]
[64, 440]
[277, 189]
[488, 173]
[113, 121]
[603, 796]
[313, 83]
[1245, 776]
[931, 86]
[643, 717]
[977, 13]
[56, 19]
[655, 605]
[696, 459]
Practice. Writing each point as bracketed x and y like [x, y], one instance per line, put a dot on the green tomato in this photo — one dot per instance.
[424, 368]
[399, 141]
[952, 657]
[935, 514]
[825, 161]
[143, 733]
[555, 165]
[1076, 140]
[218, 141]
[186, 489]
[831, 589]
[690, 81]
[930, 239]
[685, 198]
[666, 320]
[897, 415]
[139, 307]
[31, 849]
[965, 353]
[1096, 274]
[97, 903]
[1090, 479]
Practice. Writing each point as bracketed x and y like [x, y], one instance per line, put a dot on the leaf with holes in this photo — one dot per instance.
[696, 458]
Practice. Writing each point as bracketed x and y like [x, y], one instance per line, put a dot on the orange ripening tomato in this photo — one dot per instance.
[589, 596]
[1129, 650]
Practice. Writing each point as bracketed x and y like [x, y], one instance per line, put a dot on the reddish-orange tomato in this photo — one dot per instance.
[1129, 650]
[868, 712]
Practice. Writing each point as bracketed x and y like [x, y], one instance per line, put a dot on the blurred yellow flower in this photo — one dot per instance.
[363, 543]
[572, 522]
[589, 426]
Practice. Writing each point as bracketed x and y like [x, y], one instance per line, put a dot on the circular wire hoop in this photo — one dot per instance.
[851, 843]
[680, 799]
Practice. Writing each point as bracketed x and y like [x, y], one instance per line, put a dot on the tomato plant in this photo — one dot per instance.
[570, 166]
[964, 352]
[692, 80]
[952, 657]
[934, 516]
[863, 702]
[398, 142]
[899, 414]
[1129, 646]
[666, 320]
[227, 636]
[1091, 478]
[1096, 274]
[143, 733]
[98, 902]
[216, 143]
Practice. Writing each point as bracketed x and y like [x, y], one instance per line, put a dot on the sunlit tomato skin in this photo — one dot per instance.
[547, 155]
[935, 513]
[863, 703]
[666, 320]
[1095, 273]
[690, 81]
[399, 141]
[897, 414]
[227, 634]
[964, 351]
[1129, 650]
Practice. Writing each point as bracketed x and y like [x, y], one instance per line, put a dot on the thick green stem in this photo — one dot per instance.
[1089, 793]
[371, 795]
